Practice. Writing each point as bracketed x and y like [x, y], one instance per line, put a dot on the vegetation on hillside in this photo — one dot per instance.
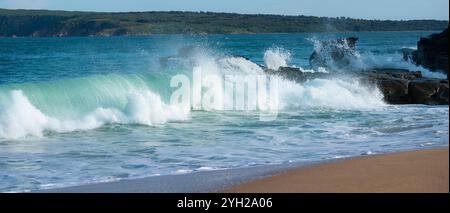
[64, 23]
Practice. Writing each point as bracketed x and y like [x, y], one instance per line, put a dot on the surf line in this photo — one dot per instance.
[250, 92]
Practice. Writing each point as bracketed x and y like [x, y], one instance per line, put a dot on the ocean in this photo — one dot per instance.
[81, 110]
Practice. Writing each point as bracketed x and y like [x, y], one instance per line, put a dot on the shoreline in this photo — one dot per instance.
[222, 34]
[298, 177]
[420, 171]
[196, 182]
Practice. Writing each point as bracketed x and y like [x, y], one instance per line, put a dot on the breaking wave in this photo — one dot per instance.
[30, 110]
[66, 105]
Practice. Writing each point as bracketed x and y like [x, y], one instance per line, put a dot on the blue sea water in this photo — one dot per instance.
[94, 109]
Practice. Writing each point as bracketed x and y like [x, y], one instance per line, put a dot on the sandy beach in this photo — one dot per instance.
[415, 171]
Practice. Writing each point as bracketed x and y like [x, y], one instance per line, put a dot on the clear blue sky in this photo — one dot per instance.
[369, 9]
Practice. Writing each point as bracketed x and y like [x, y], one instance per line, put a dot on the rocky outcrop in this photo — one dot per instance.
[409, 54]
[397, 85]
[430, 91]
[334, 54]
[431, 53]
[393, 83]
[395, 90]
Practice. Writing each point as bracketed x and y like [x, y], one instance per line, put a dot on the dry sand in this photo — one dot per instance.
[416, 171]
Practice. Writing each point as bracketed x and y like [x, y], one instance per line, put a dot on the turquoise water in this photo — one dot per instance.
[83, 110]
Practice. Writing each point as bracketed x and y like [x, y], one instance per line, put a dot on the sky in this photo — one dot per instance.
[366, 9]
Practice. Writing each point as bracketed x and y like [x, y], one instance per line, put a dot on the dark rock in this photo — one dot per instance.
[432, 92]
[404, 87]
[431, 53]
[391, 73]
[335, 54]
[395, 91]
[393, 83]
[409, 54]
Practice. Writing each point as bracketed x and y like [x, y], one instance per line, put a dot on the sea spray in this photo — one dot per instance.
[396, 61]
[354, 59]
[331, 94]
[339, 55]
[275, 58]
[240, 92]
[224, 72]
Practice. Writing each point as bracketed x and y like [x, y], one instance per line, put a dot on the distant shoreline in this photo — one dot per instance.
[48, 23]
[179, 34]
[181, 11]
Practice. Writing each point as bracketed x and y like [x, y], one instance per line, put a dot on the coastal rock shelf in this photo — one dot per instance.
[431, 53]
[398, 86]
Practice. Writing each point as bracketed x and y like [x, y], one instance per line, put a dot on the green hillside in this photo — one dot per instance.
[63, 23]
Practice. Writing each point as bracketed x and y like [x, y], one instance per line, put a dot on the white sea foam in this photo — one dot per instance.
[240, 65]
[396, 61]
[20, 118]
[329, 93]
[275, 58]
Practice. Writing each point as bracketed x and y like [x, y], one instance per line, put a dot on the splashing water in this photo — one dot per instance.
[352, 59]
[275, 58]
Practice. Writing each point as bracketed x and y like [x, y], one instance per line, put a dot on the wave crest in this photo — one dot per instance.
[21, 118]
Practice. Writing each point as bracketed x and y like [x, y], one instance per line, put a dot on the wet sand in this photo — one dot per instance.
[415, 171]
